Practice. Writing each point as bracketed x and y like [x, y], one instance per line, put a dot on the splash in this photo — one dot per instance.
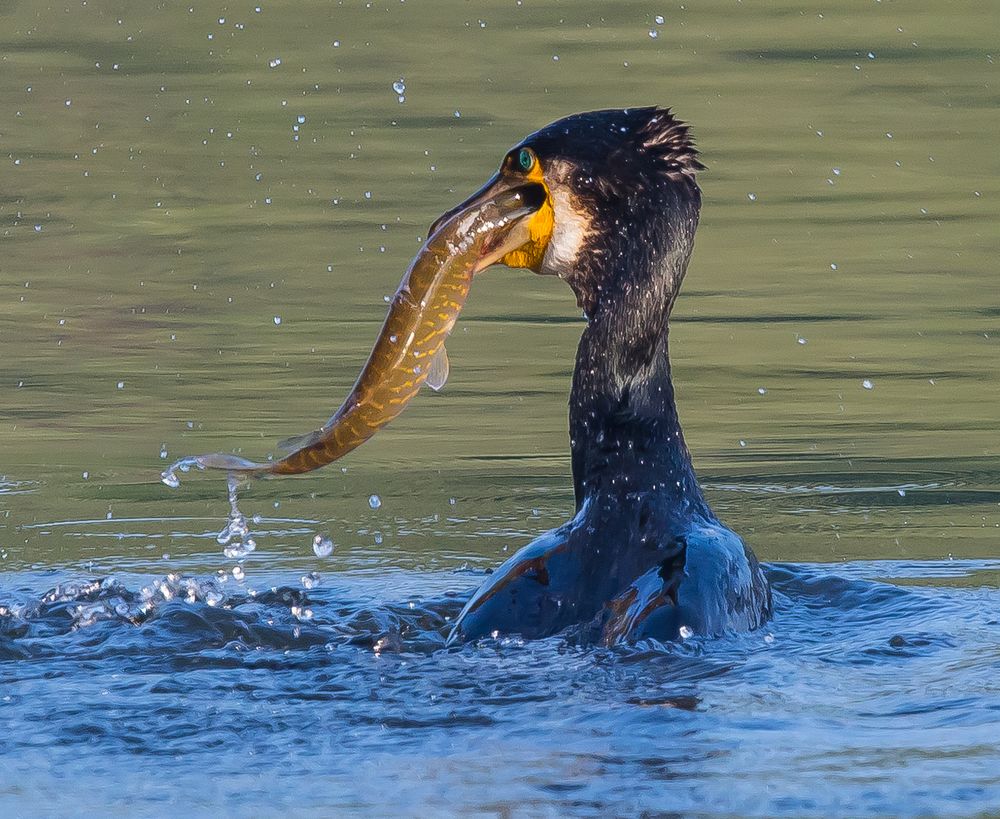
[235, 535]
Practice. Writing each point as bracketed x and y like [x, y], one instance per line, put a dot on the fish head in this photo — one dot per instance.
[514, 209]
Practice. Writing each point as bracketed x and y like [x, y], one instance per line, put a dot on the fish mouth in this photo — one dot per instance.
[511, 205]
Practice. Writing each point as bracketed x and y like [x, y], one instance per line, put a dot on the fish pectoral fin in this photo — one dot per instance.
[297, 442]
[437, 370]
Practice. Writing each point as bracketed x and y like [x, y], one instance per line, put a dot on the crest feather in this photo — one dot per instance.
[669, 140]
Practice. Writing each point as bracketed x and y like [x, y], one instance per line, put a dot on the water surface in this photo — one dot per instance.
[196, 242]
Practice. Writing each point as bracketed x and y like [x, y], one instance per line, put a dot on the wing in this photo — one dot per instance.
[715, 586]
[523, 596]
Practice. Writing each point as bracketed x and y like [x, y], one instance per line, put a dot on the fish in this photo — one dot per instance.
[410, 349]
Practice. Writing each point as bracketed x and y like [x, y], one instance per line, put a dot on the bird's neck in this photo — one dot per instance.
[625, 433]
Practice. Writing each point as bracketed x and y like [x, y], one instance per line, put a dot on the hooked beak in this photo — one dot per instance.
[514, 201]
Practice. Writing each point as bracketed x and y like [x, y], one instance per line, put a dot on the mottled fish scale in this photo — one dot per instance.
[421, 315]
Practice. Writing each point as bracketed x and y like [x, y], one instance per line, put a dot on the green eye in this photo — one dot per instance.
[526, 159]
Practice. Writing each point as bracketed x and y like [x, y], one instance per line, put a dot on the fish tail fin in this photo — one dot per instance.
[233, 464]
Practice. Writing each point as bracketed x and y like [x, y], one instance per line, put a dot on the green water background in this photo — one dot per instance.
[169, 192]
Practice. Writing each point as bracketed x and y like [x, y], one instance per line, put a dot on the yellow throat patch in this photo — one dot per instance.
[531, 253]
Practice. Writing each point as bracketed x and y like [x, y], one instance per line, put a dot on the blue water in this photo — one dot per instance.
[875, 689]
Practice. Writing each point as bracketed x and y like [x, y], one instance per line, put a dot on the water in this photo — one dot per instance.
[195, 254]
[326, 696]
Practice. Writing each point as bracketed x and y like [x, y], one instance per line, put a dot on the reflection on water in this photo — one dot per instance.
[201, 209]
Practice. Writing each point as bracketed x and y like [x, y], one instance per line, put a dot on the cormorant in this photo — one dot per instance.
[644, 556]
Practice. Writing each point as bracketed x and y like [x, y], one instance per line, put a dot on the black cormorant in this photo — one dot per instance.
[644, 555]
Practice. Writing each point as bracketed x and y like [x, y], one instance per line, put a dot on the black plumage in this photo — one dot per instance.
[644, 556]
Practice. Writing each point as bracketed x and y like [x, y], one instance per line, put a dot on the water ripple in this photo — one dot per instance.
[192, 671]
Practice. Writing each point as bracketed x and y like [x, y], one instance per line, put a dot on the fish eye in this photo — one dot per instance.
[526, 159]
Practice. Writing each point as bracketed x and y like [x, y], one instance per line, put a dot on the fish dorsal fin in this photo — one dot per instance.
[437, 370]
[297, 442]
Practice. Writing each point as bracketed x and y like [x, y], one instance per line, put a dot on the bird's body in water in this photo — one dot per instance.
[644, 555]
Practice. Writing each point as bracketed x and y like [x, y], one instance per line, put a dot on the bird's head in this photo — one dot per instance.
[615, 192]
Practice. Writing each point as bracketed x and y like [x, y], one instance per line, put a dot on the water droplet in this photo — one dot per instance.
[240, 549]
[322, 546]
[374, 501]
